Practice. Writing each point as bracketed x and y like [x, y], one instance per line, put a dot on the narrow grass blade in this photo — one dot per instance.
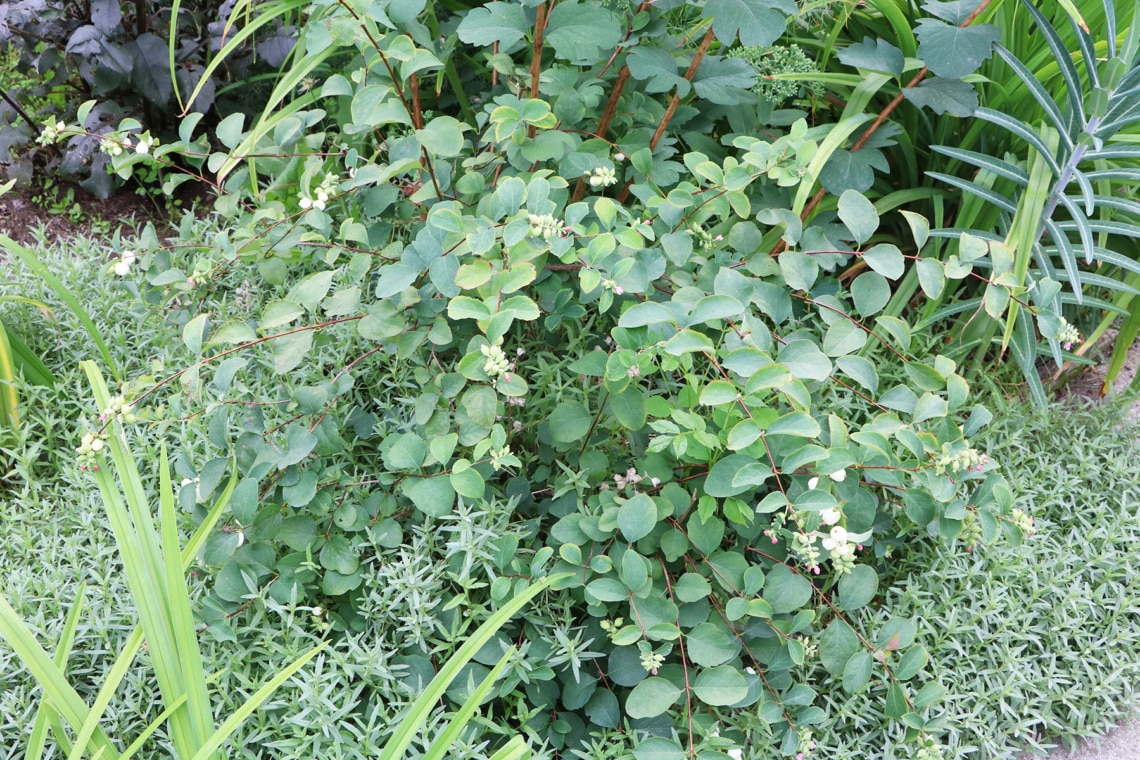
[1068, 256]
[181, 614]
[62, 696]
[1063, 57]
[231, 723]
[140, 740]
[106, 693]
[35, 371]
[40, 270]
[515, 749]
[1129, 327]
[1024, 347]
[419, 710]
[9, 400]
[62, 654]
[447, 737]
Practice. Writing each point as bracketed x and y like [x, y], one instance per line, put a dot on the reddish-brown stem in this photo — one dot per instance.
[536, 62]
[675, 102]
[417, 112]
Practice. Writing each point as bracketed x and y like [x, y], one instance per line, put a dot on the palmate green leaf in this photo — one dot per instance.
[953, 51]
[873, 55]
[944, 95]
[582, 33]
[754, 22]
[504, 23]
[852, 170]
[724, 81]
[657, 68]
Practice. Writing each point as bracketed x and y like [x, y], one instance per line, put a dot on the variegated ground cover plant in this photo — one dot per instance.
[575, 269]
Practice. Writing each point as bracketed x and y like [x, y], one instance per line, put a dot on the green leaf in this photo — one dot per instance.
[873, 55]
[580, 33]
[871, 292]
[785, 590]
[504, 23]
[194, 333]
[932, 277]
[629, 408]
[929, 694]
[658, 748]
[913, 661]
[658, 69]
[570, 422]
[857, 672]
[290, 350]
[798, 269]
[433, 496]
[724, 81]
[837, 644]
[709, 645]
[859, 215]
[481, 404]
[645, 313]
[608, 590]
[338, 555]
[637, 517]
[799, 424]
[687, 341]
[852, 170]
[755, 22]
[861, 370]
[804, 360]
[278, 313]
[311, 289]
[996, 300]
[954, 51]
[929, 407]
[844, 337]
[858, 587]
[719, 482]
[651, 698]
[719, 392]
[896, 705]
[442, 136]
[886, 259]
[720, 687]
[468, 483]
[691, 587]
[943, 95]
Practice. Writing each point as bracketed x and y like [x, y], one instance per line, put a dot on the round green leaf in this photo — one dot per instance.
[709, 645]
[786, 591]
[651, 697]
[871, 292]
[637, 517]
[720, 687]
[857, 672]
[858, 587]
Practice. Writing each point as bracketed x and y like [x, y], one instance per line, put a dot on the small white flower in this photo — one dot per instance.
[129, 257]
[839, 476]
[306, 203]
[241, 538]
[736, 754]
[122, 268]
[838, 537]
[319, 205]
[322, 197]
[619, 157]
[813, 483]
[97, 444]
[830, 516]
[143, 147]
